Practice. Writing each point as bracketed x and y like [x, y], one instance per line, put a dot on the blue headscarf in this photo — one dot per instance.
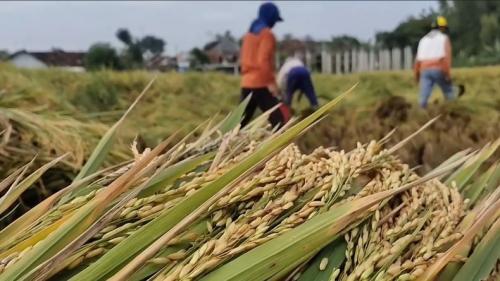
[269, 15]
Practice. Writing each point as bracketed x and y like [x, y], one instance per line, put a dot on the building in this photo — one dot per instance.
[161, 63]
[224, 50]
[72, 61]
[223, 54]
[183, 62]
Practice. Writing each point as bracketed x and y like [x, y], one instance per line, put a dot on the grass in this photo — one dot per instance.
[181, 101]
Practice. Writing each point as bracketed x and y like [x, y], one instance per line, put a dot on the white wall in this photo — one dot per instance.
[27, 61]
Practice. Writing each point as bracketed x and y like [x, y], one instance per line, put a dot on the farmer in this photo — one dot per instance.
[433, 63]
[294, 76]
[257, 67]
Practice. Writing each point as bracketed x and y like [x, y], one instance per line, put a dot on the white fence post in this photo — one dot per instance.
[371, 63]
[385, 60]
[347, 68]
[363, 60]
[359, 60]
[408, 58]
[326, 61]
[338, 61]
[308, 60]
[396, 59]
[379, 59]
[354, 62]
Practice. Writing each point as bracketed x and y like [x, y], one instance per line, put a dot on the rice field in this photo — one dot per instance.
[44, 112]
[195, 197]
[248, 204]
[382, 101]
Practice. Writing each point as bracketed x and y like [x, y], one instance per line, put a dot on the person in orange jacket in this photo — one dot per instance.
[433, 63]
[258, 68]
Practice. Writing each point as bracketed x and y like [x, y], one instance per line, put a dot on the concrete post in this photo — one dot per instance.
[408, 58]
[326, 61]
[354, 63]
[380, 59]
[338, 63]
[371, 64]
[363, 61]
[347, 68]
[385, 59]
[309, 60]
[396, 59]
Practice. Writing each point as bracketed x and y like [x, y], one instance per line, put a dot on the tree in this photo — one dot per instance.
[490, 30]
[153, 44]
[102, 55]
[444, 6]
[466, 26]
[407, 33]
[468, 19]
[133, 57]
[4, 55]
[345, 42]
[124, 35]
[198, 57]
[474, 30]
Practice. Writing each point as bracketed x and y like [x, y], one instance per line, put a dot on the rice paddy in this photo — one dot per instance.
[196, 197]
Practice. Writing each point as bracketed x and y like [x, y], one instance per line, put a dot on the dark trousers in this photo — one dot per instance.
[264, 100]
[299, 79]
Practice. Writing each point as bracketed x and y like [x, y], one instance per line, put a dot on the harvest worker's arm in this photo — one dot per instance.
[447, 59]
[418, 66]
[416, 70]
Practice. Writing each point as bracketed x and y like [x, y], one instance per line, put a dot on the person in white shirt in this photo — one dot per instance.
[433, 63]
[294, 76]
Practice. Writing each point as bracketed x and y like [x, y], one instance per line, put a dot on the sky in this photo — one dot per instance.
[74, 26]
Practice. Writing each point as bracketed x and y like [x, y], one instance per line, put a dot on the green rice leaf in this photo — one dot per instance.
[234, 119]
[170, 174]
[474, 191]
[149, 269]
[462, 176]
[454, 157]
[484, 257]
[17, 189]
[12, 177]
[9, 233]
[335, 253]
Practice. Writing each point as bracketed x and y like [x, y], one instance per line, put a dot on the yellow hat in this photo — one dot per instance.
[441, 21]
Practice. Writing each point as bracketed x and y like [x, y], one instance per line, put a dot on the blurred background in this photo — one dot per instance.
[206, 35]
